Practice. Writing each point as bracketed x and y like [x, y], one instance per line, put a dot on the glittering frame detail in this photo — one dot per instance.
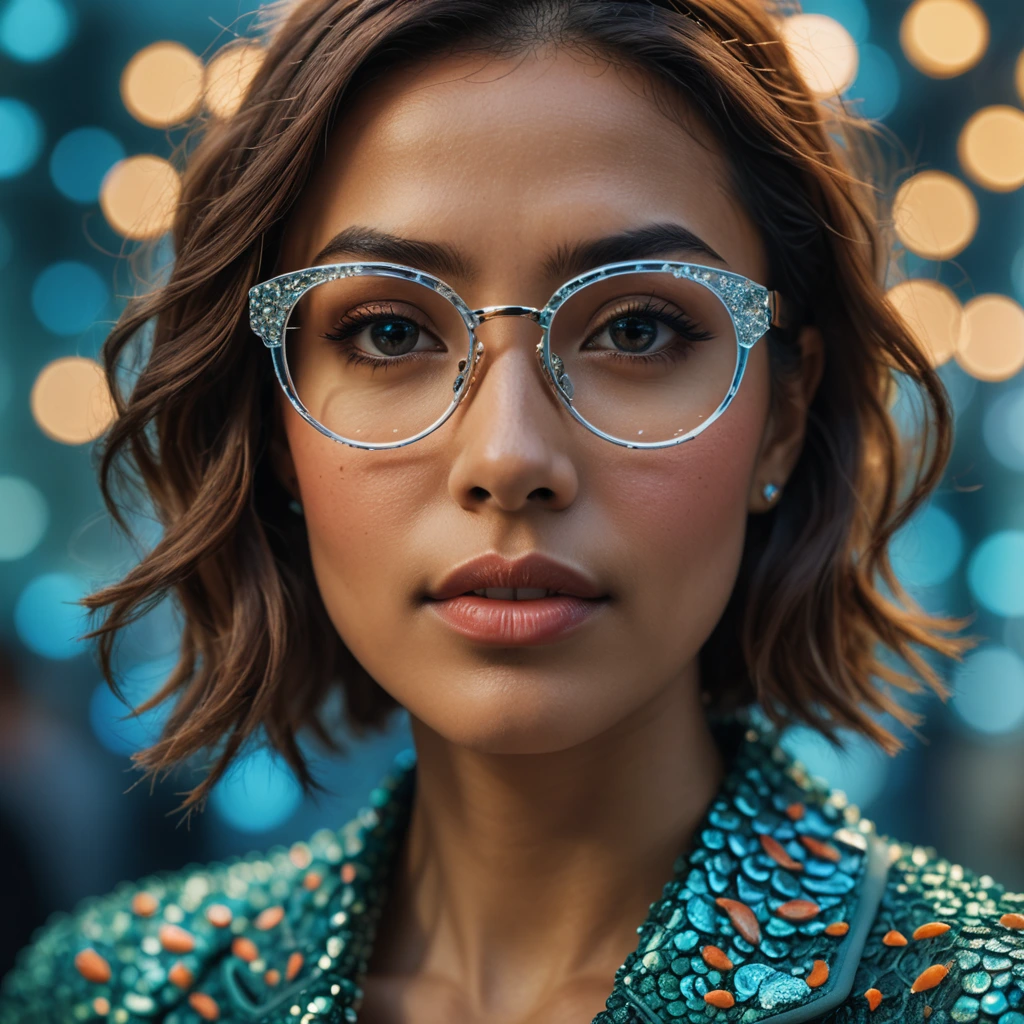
[752, 308]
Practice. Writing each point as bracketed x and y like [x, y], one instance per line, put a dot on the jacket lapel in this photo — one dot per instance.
[764, 919]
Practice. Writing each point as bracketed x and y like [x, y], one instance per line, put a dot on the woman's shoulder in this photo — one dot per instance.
[225, 940]
[946, 945]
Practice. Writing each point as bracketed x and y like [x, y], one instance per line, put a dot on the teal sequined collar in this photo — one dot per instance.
[764, 919]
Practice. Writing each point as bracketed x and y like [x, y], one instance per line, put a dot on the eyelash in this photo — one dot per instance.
[352, 323]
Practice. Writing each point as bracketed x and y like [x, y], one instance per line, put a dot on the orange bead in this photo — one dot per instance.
[837, 928]
[91, 966]
[798, 910]
[180, 975]
[820, 849]
[743, 919]
[245, 949]
[930, 930]
[101, 1005]
[348, 873]
[144, 904]
[1012, 921]
[874, 998]
[272, 977]
[796, 811]
[300, 856]
[929, 978]
[776, 851]
[894, 938]
[927, 1012]
[720, 998]
[714, 957]
[269, 918]
[294, 965]
[175, 939]
[218, 915]
[312, 881]
[204, 1005]
[818, 975]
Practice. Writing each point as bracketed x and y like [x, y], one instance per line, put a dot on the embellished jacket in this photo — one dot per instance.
[787, 907]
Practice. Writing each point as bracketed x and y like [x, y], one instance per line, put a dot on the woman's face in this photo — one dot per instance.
[509, 161]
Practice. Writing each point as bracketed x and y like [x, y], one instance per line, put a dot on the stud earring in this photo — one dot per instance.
[295, 507]
[770, 492]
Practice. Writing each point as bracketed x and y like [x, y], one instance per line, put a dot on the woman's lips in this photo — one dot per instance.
[509, 622]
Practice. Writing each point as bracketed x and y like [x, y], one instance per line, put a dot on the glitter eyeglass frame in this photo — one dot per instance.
[752, 309]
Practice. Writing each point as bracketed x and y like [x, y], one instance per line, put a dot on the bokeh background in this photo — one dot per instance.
[93, 96]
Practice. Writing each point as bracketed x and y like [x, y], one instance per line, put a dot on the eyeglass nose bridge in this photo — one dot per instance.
[559, 378]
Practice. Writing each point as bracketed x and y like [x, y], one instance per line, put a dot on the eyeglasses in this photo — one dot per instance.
[644, 354]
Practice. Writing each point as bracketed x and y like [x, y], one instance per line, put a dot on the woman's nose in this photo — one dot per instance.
[512, 439]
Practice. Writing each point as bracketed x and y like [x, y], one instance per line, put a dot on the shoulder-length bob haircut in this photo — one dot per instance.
[817, 623]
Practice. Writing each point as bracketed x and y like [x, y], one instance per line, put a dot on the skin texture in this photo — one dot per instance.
[538, 837]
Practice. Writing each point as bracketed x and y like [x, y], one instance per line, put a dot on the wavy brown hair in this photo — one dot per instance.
[817, 617]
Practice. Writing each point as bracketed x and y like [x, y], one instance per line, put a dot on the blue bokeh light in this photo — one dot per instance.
[80, 160]
[6, 244]
[137, 684]
[21, 137]
[876, 89]
[6, 383]
[46, 618]
[988, 692]
[860, 772]
[851, 14]
[995, 573]
[33, 30]
[24, 517]
[68, 296]
[258, 793]
[1017, 274]
[1003, 428]
[928, 549]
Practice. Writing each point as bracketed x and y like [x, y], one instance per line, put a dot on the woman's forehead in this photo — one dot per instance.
[506, 157]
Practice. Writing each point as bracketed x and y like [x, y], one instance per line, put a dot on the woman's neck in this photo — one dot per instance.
[523, 873]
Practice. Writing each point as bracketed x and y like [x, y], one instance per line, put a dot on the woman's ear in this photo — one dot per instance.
[281, 454]
[786, 427]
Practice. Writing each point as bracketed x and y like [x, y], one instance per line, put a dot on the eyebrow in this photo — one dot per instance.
[564, 262]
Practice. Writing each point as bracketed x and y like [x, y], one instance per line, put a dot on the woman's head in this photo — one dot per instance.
[499, 136]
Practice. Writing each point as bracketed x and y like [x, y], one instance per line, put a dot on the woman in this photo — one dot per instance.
[510, 263]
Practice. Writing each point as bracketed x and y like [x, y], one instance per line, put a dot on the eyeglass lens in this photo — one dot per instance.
[650, 356]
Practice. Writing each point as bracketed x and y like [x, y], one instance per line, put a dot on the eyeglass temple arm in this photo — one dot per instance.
[778, 308]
